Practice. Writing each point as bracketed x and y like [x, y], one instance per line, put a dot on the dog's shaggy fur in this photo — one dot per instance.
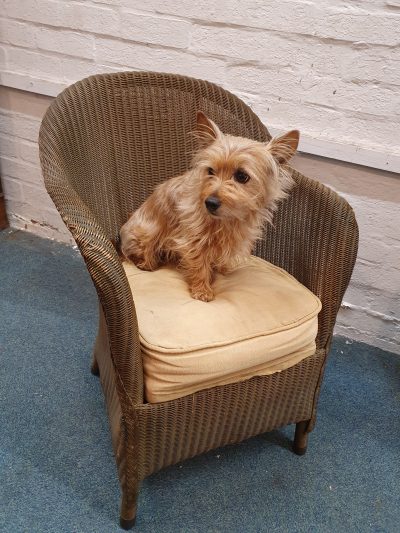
[207, 220]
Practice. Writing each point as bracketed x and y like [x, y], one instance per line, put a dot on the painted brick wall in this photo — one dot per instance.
[328, 67]
[371, 309]
[27, 202]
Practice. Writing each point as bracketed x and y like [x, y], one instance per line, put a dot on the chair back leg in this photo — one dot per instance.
[301, 438]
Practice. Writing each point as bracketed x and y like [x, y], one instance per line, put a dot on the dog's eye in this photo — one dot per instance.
[241, 177]
[210, 171]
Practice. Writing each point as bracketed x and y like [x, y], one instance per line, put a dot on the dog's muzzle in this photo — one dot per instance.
[212, 204]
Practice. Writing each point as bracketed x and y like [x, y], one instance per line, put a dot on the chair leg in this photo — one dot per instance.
[128, 509]
[301, 438]
[95, 367]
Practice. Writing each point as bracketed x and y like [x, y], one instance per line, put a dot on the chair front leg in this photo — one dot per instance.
[129, 507]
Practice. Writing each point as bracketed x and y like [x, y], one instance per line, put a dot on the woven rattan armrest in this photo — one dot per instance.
[109, 279]
[315, 238]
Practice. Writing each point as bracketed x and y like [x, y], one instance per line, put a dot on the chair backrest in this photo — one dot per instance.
[118, 135]
[113, 137]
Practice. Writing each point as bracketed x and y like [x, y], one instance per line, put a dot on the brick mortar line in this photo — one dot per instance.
[348, 112]
[202, 23]
[375, 335]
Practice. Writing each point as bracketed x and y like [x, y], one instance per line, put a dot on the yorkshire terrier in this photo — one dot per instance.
[208, 219]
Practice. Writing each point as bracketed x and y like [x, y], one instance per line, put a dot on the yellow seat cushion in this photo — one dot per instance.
[261, 321]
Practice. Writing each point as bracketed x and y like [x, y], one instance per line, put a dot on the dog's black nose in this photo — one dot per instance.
[212, 203]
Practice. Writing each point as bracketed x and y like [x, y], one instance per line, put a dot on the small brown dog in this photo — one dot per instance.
[207, 220]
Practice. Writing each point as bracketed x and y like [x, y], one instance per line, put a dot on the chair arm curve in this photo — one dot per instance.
[315, 238]
[109, 279]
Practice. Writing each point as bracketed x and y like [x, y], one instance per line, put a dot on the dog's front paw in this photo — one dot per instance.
[224, 270]
[150, 266]
[202, 293]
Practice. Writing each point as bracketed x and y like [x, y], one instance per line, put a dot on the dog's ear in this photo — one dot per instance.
[284, 147]
[206, 130]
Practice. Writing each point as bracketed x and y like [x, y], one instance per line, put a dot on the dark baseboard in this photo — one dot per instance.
[3, 214]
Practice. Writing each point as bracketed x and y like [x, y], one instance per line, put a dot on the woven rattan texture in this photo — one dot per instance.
[239, 411]
[105, 143]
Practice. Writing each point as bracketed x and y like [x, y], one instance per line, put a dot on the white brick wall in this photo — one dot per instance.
[371, 309]
[28, 205]
[328, 67]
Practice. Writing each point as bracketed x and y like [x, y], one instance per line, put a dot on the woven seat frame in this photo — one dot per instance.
[105, 143]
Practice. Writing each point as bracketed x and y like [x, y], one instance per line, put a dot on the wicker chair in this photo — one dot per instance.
[105, 142]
